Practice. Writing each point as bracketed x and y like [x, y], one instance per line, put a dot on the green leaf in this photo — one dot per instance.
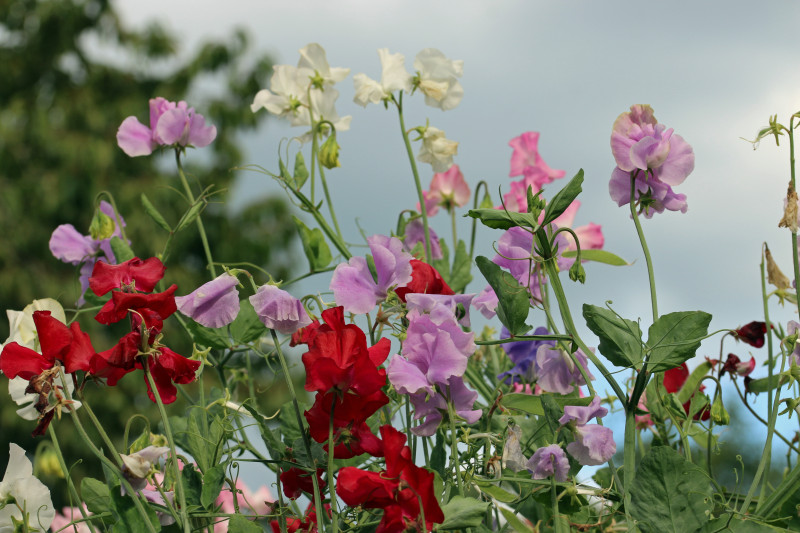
[620, 339]
[122, 252]
[247, 327]
[314, 245]
[669, 494]
[514, 521]
[496, 492]
[460, 275]
[208, 337]
[300, 170]
[513, 299]
[729, 524]
[442, 265]
[190, 215]
[461, 513]
[533, 404]
[598, 256]
[675, 338]
[212, 485]
[129, 520]
[689, 386]
[764, 384]
[201, 437]
[96, 495]
[271, 438]
[284, 172]
[192, 484]
[438, 456]
[150, 209]
[563, 198]
[501, 219]
[240, 524]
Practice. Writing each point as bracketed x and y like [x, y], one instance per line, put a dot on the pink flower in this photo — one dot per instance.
[170, 124]
[526, 161]
[448, 189]
[67, 516]
[279, 310]
[214, 304]
[256, 502]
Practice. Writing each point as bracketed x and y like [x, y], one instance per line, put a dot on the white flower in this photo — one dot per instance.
[394, 77]
[437, 79]
[137, 466]
[16, 389]
[313, 59]
[437, 149]
[19, 491]
[287, 95]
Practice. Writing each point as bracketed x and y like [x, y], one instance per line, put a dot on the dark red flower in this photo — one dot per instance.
[338, 357]
[133, 274]
[304, 335]
[734, 366]
[308, 524]
[296, 481]
[674, 378]
[351, 435]
[424, 280]
[69, 345]
[152, 308]
[168, 368]
[752, 333]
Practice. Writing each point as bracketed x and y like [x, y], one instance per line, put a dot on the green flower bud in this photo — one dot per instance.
[102, 226]
[719, 414]
[47, 464]
[329, 152]
[577, 273]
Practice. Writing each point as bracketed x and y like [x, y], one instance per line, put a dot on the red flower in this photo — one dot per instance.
[168, 368]
[133, 274]
[307, 524]
[296, 481]
[674, 378]
[304, 335]
[733, 365]
[752, 333]
[338, 357]
[69, 345]
[153, 308]
[424, 280]
[351, 435]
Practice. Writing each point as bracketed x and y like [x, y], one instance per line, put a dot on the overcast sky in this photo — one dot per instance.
[714, 71]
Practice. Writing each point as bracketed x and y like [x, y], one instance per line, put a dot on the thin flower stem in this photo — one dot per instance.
[647, 258]
[73, 493]
[451, 412]
[328, 199]
[306, 443]
[557, 523]
[795, 260]
[453, 226]
[200, 228]
[420, 197]
[103, 435]
[331, 484]
[758, 417]
[187, 526]
[475, 220]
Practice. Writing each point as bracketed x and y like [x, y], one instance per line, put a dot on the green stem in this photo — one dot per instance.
[306, 443]
[453, 226]
[451, 412]
[328, 200]
[795, 261]
[647, 258]
[73, 493]
[200, 227]
[179, 492]
[420, 197]
[475, 220]
[103, 435]
[557, 522]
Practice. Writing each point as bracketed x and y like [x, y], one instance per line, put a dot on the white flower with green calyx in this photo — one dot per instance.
[394, 77]
[437, 78]
[25, 501]
[437, 150]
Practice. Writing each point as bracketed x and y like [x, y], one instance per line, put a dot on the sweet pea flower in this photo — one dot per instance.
[353, 285]
[654, 157]
[279, 310]
[437, 78]
[486, 302]
[523, 355]
[448, 189]
[415, 233]
[526, 161]
[66, 518]
[214, 304]
[437, 150]
[558, 372]
[430, 406]
[793, 328]
[549, 461]
[20, 490]
[594, 444]
[394, 77]
[256, 502]
[137, 466]
[171, 124]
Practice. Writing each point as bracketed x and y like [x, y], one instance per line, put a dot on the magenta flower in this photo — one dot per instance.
[170, 124]
[549, 461]
[594, 444]
[657, 159]
[353, 285]
[526, 161]
[448, 189]
[70, 246]
[214, 304]
[431, 406]
[279, 310]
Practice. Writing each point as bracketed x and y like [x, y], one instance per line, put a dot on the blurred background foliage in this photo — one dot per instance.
[60, 107]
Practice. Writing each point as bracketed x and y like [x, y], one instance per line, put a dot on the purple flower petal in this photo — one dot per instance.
[583, 414]
[200, 135]
[214, 304]
[549, 461]
[486, 302]
[353, 287]
[70, 246]
[172, 126]
[279, 310]
[135, 138]
[406, 377]
[593, 445]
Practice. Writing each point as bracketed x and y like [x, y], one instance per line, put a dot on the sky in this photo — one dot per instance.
[714, 71]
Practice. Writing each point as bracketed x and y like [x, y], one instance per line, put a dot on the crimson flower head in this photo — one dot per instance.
[352, 436]
[425, 280]
[674, 378]
[753, 333]
[132, 274]
[735, 366]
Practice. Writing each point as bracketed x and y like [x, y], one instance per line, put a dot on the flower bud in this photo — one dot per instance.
[329, 152]
[47, 464]
[102, 226]
[577, 273]
[719, 414]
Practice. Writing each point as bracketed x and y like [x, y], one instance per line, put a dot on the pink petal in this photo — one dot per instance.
[135, 138]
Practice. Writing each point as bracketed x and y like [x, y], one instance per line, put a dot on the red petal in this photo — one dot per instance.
[142, 274]
[16, 360]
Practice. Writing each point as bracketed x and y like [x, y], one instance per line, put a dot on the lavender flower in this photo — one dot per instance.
[214, 304]
[431, 406]
[279, 310]
[415, 233]
[523, 355]
[557, 372]
[353, 285]
[594, 444]
[549, 461]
